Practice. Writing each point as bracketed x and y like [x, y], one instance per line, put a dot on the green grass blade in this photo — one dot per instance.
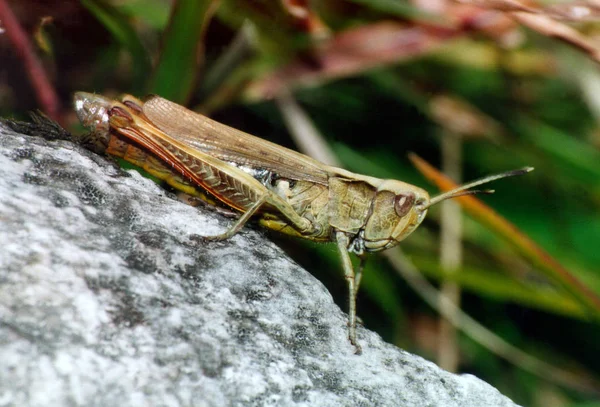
[503, 288]
[182, 48]
[121, 29]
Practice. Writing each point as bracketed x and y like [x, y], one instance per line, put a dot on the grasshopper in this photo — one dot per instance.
[286, 191]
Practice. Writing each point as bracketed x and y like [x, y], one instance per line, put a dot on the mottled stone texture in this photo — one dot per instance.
[106, 301]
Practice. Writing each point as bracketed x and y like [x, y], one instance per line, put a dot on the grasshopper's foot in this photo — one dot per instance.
[357, 347]
[216, 238]
[352, 337]
[203, 239]
[199, 239]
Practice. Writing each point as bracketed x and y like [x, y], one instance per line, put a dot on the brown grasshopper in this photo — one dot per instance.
[286, 191]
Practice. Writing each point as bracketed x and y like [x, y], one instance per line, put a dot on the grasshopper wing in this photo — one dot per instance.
[228, 144]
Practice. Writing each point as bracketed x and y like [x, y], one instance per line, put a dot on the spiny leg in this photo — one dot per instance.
[359, 272]
[342, 244]
[238, 224]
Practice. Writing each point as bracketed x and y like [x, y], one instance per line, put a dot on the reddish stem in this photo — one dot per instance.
[44, 90]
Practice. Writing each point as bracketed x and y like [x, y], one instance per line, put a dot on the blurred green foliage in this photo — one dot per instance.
[535, 103]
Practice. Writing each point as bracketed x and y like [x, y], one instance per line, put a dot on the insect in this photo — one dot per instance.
[284, 190]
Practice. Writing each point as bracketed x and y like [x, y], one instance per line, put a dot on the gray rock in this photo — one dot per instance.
[105, 300]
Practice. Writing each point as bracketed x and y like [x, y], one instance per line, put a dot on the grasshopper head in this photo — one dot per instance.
[399, 208]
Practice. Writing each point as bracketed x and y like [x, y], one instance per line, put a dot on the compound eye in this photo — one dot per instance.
[403, 203]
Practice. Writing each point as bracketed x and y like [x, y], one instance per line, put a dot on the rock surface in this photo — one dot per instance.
[105, 300]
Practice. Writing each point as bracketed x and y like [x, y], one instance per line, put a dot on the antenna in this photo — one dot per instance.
[463, 189]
